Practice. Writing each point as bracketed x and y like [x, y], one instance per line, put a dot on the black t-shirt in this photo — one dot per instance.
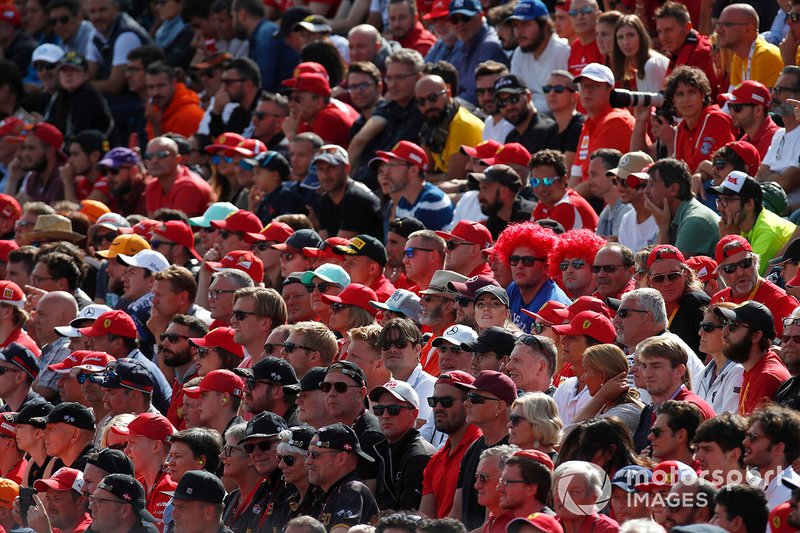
[473, 514]
[359, 211]
[788, 394]
[519, 213]
[568, 139]
[348, 503]
[689, 315]
[541, 134]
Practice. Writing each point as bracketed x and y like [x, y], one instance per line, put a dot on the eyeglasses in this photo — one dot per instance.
[202, 351]
[708, 327]
[719, 164]
[172, 337]
[339, 386]
[336, 307]
[786, 339]
[625, 313]
[576, 264]
[445, 401]
[558, 89]
[538, 327]
[476, 398]
[44, 65]
[261, 115]
[482, 478]
[729, 24]
[363, 86]
[288, 460]
[410, 252]
[263, 246]
[251, 383]
[59, 20]
[546, 182]
[161, 154]
[732, 326]
[669, 276]
[393, 409]
[217, 159]
[96, 501]
[454, 350]
[290, 347]
[744, 264]
[80, 378]
[585, 10]
[527, 260]
[214, 294]
[778, 89]
[315, 454]
[738, 108]
[514, 420]
[507, 482]
[452, 245]
[431, 98]
[502, 102]
[789, 321]
[723, 201]
[399, 343]
[228, 82]
[35, 280]
[227, 450]
[657, 432]
[264, 446]
[321, 287]
[608, 269]
[241, 315]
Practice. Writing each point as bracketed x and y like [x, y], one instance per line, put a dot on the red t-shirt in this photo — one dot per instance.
[16, 472]
[685, 395]
[597, 523]
[482, 270]
[696, 52]
[82, 526]
[581, 55]
[713, 131]
[769, 294]
[332, 123]
[419, 39]
[763, 137]
[441, 475]
[572, 211]
[760, 382]
[611, 130]
[21, 336]
[190, 193]
[156, 499]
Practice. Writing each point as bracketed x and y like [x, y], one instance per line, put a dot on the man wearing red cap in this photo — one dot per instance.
[37, 170]
[738, 268]
[749, 106]
[12, 458]
[175, 240]
[312, 110]
[220, 393]
[464, 249]
[148, 446]
[13, 317]
[66, 506]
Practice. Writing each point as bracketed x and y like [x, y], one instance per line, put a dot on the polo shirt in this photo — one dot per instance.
[760, 382]
[763, 136]
[694, 228]
[767, 236]
[383, 288]
[441, 474]
[535, 71]
[769, 294]
[332, 123]
[520, 212]
[548, 291]
[713, 131]
[347, 503]
[189, 193]
[612, 129]
[541, 134]
[465, 129]
[572, 211]
[581, 55]
[432, 207]
[359, 211]
[765, 65]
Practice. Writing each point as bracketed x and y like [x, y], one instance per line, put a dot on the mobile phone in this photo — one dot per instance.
[26, 502]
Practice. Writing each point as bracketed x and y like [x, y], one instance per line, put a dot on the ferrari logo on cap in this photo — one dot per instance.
[107, 323]
[8, 293]
[357, 243]
[587, 324]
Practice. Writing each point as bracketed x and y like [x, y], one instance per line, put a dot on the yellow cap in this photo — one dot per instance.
[129, 244]
[9, 490]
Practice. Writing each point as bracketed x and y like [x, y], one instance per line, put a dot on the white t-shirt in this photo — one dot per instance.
[634, 235]
[125, 43]
[570, 400]
[468, 208]
[535, 72]
[496, 131]
[655, 70]
[784, 151]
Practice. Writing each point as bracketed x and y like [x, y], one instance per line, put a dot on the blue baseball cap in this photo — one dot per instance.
[469, 8]
[529, 10]
[629, 476]
[216, 211]
[327, 272]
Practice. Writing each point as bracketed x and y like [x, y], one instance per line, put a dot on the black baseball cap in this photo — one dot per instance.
[301, 436]
[502, 174]
[272, 160]
[111, 461]
[198, 486]
[509, 83]
[365, 245]
[19, 356]
[264, 426]
[756, 315]
[34, 414]
[792, 253]
[302, 238]
[312, 379]
[290, 17]
[128, 374]
[496, 291]
[493, 339]
[350, 370]
[273, 369]
[129, 490]
[405, 226]
[339, 437]
[73, 414]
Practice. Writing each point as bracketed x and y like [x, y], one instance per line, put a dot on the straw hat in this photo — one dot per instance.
[52, 228]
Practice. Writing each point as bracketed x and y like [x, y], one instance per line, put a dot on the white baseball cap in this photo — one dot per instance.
[456, 335]
[88, 313]
[47, 52]
[596, 72]
[399, 389]
[149, 259]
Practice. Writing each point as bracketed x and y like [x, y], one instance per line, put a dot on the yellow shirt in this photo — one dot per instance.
[765, 65]
[465, 128]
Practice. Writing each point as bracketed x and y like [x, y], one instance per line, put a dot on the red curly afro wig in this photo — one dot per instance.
[574, 244]
[539, 238]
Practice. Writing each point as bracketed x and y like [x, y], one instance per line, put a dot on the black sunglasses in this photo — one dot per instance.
[576, 264]
[476, 398]
[719, 164]
[393, 409]
[289, 347]
[446, 401]
[558, 89]
[161, 154]
[288, 460]
[527, 260]
[322, 287]
[241, 315]
[431, 98]
[708, 327]
[745, 263]
[625, 313]
[669, 276]
[501, 103]
[264, 446]
[399, 343]
[172, 337]
[608, 269]
[339, 386]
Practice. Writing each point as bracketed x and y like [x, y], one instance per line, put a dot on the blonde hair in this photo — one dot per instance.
[611, 361]
[118, 421]
[542, 412]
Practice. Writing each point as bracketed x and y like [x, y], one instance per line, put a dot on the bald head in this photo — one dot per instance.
[428, 84]
[162, 143]
[60, 302]
[365, 30]
[745, 12]
[54, 309]
[364, 42]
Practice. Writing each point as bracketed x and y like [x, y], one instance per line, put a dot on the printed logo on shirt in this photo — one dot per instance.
[708, 144]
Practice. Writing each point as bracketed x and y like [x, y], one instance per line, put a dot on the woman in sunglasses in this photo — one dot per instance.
[683, 293]
[237, 467]
[534, 423]
[224, 162]
[722, 378]
[571, 260]
[350, 309]
[292, 451]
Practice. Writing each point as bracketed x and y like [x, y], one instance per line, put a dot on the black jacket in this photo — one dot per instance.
[399, 484]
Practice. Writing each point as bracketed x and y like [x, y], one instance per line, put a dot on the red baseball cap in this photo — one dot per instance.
[227, 141]
[748, 153]
[731, 245]
[219, 338]
[274, 231]
[510, 154]
[250, 147]
[749, 92]
[9, 207]
[47, 133]
[94, 362]
[242, 260]
[666, 474]
[178, 231]
[539, 521]
[68, 363]
[408, 152]
[455, 378]
[325, 249]
[154, 426]
[355, 294]
[664, 251]
[11, 126]
[309, 82]
[8, 426]
[587, 303]
[549, 313]
[310, 67]
[143, 228]
[596, 325]
[219, 381]
[484, 150]
[9, 13]
[64, 479]
[779, 519]
[536, 455]
[440, 9]
[241, 220]
[11, 294]
[563, 5]
[703, 266]
[115, 322]
[471, 232]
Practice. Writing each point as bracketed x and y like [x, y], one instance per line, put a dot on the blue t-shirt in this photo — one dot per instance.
[548, 291]
[432, 207]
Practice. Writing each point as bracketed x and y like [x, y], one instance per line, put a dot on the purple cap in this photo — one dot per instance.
[117, 157]
[471, 286]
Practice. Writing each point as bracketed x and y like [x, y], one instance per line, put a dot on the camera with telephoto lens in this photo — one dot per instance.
[624, 98]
